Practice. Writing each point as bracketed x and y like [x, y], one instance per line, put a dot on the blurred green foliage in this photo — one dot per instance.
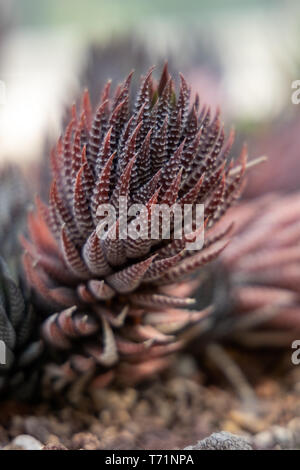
[100, 16]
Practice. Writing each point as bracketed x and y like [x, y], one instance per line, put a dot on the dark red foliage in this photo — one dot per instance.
[108, 293]
[263, 268]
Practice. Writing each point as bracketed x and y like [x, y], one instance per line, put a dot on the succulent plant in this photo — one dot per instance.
[119, 304]
[20, 346]
[262, 267]
[14, 196]
[18, 323]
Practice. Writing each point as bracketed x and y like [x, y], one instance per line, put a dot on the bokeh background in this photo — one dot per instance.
[242, 55]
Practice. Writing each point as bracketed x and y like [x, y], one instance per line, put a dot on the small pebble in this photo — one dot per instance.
[221, 441]
[24, 442]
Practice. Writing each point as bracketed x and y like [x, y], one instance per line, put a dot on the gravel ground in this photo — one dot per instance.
[174, 411]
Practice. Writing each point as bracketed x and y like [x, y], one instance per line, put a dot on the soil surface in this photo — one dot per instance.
[175, 410]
